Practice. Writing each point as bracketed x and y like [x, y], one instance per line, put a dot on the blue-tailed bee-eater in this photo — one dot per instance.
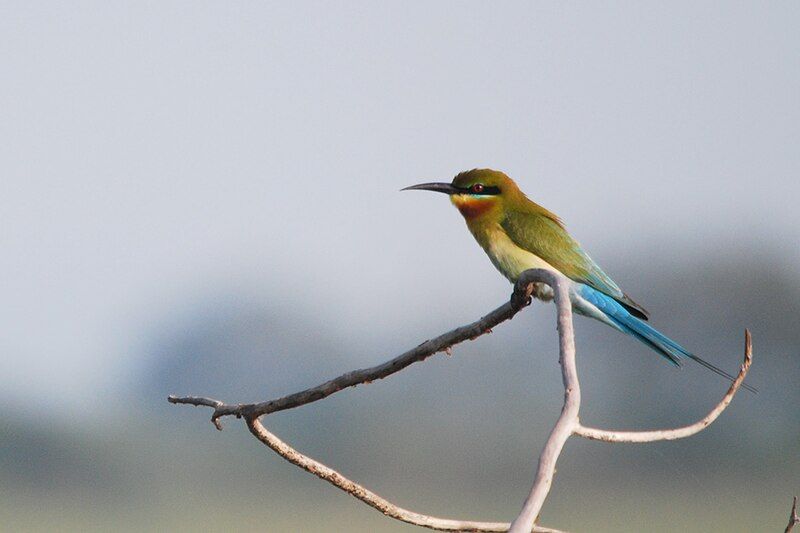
[518, 234]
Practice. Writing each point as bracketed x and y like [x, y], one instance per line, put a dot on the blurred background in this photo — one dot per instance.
[201, 198]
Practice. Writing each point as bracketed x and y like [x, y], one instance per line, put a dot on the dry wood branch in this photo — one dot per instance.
[793, 518]
[568, 422]
[252, 413]
[682, 432]
[569, 413]
[365, 495]
[519, 299]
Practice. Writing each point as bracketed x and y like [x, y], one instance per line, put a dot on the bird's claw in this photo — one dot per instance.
[521, 297]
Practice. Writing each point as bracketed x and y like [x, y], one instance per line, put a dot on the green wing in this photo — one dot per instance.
[543, 234]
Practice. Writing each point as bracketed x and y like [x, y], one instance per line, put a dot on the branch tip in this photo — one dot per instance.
[793, 518]
[681, 432]
[748, 346]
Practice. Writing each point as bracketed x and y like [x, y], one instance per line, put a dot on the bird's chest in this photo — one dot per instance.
[510, 259]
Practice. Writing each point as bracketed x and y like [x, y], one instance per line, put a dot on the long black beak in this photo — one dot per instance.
[437, 187]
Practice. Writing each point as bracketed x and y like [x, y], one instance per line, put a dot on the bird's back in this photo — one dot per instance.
[536, 230]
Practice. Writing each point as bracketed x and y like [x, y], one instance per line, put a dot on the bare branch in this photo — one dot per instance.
[568, 422]
[367, 496]
[793, 518]
[201, 401]
[682, 432]
[568, 419]
[519, 299]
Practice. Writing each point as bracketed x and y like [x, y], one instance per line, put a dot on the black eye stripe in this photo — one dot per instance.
[487, 190]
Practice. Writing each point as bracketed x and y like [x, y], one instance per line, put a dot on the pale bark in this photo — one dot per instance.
[568, 423]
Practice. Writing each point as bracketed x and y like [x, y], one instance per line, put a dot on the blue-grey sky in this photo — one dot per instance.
[156, 154]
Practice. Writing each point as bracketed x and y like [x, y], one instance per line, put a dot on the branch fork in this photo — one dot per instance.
[568, 423]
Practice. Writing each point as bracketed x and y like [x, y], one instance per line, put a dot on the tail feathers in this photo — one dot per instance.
[663, 345]
[720, 372]
[666, 347]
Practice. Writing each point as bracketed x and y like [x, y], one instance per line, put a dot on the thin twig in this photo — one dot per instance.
[569, 413]
[793, 518]
[367, 496]
[682, 432]
[519, 299]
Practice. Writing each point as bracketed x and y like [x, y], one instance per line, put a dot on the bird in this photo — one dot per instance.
[518, 234]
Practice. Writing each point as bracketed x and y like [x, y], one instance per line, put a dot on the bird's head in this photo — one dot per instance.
[476, 193]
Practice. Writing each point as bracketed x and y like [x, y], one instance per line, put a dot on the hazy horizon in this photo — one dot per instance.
[199, 198]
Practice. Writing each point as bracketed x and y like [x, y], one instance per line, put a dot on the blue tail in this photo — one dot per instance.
[620, 318]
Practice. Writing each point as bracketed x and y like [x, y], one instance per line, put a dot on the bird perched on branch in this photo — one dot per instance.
[518, 234]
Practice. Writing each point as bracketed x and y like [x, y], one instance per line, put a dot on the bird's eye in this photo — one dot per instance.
[477, 188]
